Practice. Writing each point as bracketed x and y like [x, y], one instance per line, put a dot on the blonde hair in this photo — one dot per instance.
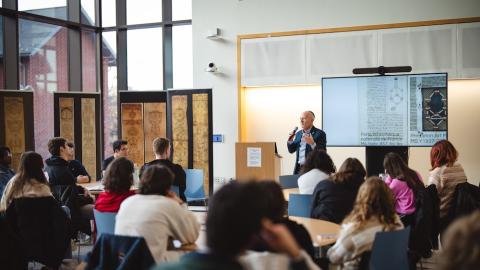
[374, 200]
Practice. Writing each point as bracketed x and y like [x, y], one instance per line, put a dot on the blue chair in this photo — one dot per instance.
[105, 222]
[289, 181]
[175, 189]
[194, 190]
[299, 205]
[390, 250]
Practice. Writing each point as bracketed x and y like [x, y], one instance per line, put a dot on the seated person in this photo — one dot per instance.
[158, 215]
[30, 181]
[404, 182]
[120, 149]
[118, 180]
[318, 167]
[275, 211]
[446, 174]
[161, 148]
[373, 211]
[333, 198]
[64, 187]
[76, 167]
[5, 172]
[461, 249]
[234, 220]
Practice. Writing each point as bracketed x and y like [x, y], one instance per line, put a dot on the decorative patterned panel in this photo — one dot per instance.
[200, 135]
[14, 128]
[89, 151]
[155, 124]
[132, 131]
[180, 130]
[66, 109]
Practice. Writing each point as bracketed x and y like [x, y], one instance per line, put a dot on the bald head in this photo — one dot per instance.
[306, 119]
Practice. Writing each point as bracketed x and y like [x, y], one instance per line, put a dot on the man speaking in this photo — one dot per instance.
[305, 140]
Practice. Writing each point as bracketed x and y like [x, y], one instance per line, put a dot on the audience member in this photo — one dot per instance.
[76, 167]
[373, 211]
[30, 181]
[333, 198]
[161, 149]
[461, 249]
[275, 211]
[318, 167]
[404, 182]
[234, 220]
[157, 214]
[120, 149]
[64, 187]
[446, 173]
[118, 180]
[5, 172]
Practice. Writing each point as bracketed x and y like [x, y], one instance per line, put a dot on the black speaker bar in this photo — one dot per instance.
[382, 70]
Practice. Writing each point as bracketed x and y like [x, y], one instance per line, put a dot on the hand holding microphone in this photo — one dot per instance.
[292, 134]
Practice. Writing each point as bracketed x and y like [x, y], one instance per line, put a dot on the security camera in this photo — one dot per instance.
[211, 67]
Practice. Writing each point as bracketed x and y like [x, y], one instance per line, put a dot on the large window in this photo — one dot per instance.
[89, 65]
[50, 8]
[182, 57]
[88, 12]
[144, 11]
[110, 113]
[144, 62]
[109, 16]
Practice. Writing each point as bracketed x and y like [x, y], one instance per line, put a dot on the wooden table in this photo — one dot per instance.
[288, 191]
[322, 232]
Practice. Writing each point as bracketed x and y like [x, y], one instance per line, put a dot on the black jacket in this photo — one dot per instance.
[77, 168]
[319, 137]
[180, 177]
[420, 243]
[432, 191]
[466, 199]
[67, 192]
[119, 252]
[41, 229]
[333, 201]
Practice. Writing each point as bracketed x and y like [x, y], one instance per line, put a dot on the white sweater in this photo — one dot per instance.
[156, 218]
[309, 180]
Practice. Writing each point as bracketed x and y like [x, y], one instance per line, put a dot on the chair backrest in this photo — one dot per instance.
[175, 189]
[390, 249]
[289, 181]
[119, 252]
[300, 205]
[105, 222]
[194, 190]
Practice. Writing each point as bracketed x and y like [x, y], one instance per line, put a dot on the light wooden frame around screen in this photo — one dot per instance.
[241, 89]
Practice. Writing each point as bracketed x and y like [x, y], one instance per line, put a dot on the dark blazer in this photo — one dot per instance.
[319, 137]
[333, 202]
[180, 177]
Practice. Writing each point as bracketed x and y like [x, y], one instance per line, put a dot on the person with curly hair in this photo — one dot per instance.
[118, 180]
[373, 211]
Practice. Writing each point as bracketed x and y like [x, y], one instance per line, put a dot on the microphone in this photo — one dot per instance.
[294, 130]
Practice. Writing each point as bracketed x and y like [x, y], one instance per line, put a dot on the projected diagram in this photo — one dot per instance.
[395, 97]
[434, 109]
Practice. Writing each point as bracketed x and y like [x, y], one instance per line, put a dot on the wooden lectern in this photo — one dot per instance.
[258, 161]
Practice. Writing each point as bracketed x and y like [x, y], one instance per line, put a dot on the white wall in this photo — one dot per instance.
[260, 16]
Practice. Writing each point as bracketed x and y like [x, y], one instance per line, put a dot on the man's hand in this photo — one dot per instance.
[308, 138]
[279, 238]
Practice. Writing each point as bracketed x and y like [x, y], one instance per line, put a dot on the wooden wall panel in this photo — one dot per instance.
[66, 109]
[200, 136]
[132, 131]
[180, 130]
[89, 151]
[155, 124]
[14, 127]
